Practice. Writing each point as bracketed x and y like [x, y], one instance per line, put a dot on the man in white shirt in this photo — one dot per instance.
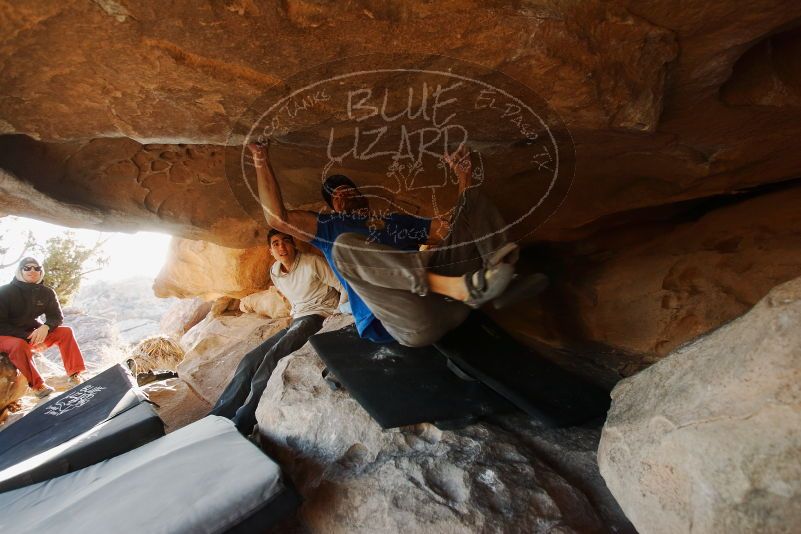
[314, 292]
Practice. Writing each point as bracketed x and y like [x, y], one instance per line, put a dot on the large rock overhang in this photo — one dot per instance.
[133, 117]
[127, 110]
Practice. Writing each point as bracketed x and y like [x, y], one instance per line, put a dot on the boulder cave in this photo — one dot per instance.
[670, 229]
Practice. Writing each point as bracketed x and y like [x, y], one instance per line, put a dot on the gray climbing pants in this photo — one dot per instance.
[394, 284]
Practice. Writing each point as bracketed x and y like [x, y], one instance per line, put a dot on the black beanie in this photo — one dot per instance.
[331, 183]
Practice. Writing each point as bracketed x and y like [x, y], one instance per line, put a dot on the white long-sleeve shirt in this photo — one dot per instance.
[310, 286]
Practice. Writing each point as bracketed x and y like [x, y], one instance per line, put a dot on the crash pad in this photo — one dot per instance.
[400, 385]
[76, 417]
[204, 477]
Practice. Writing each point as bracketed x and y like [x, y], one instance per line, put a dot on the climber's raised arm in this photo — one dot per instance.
[297, 223]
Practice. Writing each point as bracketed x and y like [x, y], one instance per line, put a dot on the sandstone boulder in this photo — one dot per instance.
[508, 476]
[205, 270]
[12, 385]
[269, 303]
[709, 439]
[183, 315]
[215, 346]
[224, 306]
[177, 404]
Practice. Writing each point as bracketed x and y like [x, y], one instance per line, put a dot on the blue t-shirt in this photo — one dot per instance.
[403, 232]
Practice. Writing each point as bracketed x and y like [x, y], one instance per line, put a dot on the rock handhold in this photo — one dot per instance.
[709, 439]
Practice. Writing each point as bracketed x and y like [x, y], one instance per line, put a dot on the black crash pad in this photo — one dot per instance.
[401, 386]
[117, 435]
[531, 382]
[78, 413]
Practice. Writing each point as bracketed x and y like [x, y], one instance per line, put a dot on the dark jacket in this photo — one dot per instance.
[20, 305]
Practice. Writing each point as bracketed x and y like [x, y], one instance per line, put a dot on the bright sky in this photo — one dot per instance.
[139, 254]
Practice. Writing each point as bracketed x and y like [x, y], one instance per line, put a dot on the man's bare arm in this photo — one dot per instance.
[297, 223]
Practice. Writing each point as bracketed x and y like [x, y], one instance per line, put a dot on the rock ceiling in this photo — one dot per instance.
[125, 115]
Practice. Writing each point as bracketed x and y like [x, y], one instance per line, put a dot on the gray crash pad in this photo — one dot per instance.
[204, 477]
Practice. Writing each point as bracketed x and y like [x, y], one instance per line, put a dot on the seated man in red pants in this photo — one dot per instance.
[21, 302]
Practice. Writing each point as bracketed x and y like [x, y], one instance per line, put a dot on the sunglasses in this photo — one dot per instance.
[29, 268]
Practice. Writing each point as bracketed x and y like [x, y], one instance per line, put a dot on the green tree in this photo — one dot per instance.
[66, 262]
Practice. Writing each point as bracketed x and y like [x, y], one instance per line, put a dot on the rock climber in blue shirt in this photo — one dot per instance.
[396, 291]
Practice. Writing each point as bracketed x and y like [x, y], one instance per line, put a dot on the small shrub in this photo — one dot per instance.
[157, 353]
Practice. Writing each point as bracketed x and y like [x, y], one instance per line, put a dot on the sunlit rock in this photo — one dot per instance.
[215, 346]
[208, 271]
[269, 303]
[183, 315]
[177, 404]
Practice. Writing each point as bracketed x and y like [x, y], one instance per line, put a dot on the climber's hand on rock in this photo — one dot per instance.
[462, 166]
[259, 153]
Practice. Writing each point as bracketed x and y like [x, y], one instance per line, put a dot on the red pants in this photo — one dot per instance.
[20, 352]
